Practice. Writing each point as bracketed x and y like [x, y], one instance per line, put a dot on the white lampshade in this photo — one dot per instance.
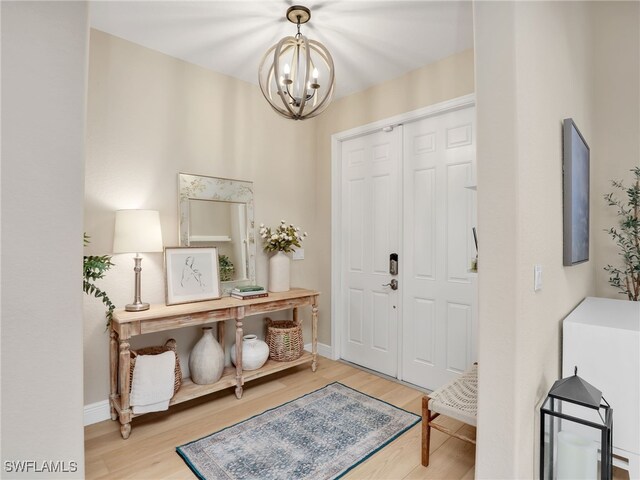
[137, 231]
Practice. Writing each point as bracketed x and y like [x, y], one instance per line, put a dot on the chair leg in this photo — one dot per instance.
[426, 431]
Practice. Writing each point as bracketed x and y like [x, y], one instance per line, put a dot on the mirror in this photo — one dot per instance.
[219, 212]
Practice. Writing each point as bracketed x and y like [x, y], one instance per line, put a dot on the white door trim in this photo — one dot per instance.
[336, 200]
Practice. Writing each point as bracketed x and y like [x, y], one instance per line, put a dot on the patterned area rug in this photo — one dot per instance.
[321, 435]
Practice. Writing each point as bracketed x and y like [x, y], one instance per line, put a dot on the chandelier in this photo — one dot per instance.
[296, 75]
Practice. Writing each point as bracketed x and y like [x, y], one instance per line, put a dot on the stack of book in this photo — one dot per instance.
[247, 292]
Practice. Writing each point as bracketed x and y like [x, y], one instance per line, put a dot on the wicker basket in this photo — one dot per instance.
[284, 338]
[169, 346]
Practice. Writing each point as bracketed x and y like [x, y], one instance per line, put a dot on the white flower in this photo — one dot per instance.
[281, 237]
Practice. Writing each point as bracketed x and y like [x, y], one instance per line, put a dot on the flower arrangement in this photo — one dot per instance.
[282, 238]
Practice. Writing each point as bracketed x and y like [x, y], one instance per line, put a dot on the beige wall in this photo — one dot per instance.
[151, 116]
[449, 78]
[615, 147]
[498, 209]
[538, 63]
[44, 71]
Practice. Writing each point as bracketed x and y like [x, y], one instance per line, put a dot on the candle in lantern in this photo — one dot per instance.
[577, 457]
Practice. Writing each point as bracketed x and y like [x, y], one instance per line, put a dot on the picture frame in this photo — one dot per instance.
[575, 172]
[191, 274]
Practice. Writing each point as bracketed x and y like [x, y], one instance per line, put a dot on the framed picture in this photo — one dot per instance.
[575, 169]
[191, 274]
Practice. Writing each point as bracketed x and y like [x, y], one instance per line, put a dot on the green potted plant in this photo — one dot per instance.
[227, 268]
[94, 268]
[627, 236]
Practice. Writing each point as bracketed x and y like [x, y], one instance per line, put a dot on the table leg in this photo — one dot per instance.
[314, 333]
[113, 372]
[125, 385]
[239, 334]
[221, 335]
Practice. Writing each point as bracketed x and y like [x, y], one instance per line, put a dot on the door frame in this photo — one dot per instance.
[336, 204]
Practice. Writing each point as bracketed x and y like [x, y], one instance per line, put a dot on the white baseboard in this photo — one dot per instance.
[323, 349]
[97, 412]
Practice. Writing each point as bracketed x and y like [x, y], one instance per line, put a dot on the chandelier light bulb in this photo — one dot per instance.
[289, 72]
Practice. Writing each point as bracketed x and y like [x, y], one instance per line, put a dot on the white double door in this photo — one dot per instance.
[403, 192]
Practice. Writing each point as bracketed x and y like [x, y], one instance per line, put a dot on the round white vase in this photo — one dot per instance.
[279, 272]
[206, 360]
[254, 352]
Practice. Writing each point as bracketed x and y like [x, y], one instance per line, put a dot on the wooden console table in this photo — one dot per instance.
[160, 318]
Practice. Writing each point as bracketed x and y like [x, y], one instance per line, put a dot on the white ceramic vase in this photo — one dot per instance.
[254, 352]
[279, 272]
[206, 360]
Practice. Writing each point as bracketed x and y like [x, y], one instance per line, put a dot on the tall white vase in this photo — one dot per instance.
[206, 361]
[279, 272]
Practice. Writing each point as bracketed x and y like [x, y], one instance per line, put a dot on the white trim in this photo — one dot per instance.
[430, 111]
[97, 412]
[323, 350]
[336, 200]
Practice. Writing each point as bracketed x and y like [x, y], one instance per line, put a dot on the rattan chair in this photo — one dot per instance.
[458, 399]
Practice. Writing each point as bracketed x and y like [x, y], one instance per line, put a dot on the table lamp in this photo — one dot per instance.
[137, 231]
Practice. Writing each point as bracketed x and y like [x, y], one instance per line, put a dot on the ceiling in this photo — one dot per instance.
[370, 41]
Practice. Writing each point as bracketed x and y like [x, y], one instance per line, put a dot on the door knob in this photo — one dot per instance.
[393, 284]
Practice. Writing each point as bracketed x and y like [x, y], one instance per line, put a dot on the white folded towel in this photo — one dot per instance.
[153, 381]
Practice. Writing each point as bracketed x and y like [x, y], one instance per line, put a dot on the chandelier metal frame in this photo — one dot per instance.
[282, 88]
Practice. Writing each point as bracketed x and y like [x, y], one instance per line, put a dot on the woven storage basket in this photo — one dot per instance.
[169, 346]
[284, 338]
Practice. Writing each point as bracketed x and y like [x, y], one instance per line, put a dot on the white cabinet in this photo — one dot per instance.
[602, 338]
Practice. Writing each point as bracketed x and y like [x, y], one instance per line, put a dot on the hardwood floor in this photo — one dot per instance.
[150, 451]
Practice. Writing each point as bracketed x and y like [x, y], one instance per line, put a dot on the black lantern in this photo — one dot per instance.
[576, 428]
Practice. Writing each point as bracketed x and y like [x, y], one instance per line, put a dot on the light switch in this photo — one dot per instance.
[298, 254]
[537, 278]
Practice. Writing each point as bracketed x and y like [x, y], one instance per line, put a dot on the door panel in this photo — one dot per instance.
[370, 225]
[424, 327]
[356, 309]
[437, 295]
[424, 223]
[458, 329]
[459, 222]
[355, 200]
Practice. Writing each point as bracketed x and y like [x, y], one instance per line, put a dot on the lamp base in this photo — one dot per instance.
[136, 307]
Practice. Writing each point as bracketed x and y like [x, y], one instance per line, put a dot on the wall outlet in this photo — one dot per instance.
[537, 278]
[298, 254]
